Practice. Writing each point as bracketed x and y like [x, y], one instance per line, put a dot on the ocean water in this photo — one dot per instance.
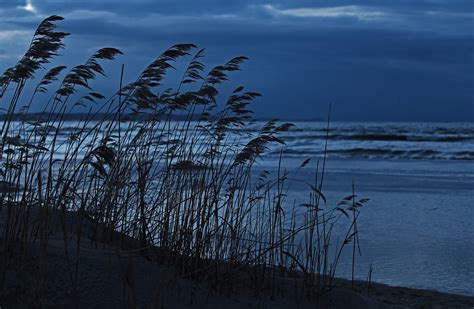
[418, 228]
[429, 141]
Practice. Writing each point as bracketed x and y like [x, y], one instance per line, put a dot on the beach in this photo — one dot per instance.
[151, 173]
[415, 232]
[121, 276]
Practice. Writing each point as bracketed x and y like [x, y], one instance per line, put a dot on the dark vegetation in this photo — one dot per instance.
[181, 193]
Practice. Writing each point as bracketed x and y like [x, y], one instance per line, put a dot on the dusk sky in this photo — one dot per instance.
[387, 60]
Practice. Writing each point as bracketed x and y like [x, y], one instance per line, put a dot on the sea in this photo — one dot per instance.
[418, 228]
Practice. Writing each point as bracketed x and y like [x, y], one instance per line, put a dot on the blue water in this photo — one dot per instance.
[418, 228]
[383, 140]
[377, 140]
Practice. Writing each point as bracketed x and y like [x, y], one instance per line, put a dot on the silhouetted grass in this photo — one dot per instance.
[183, 193]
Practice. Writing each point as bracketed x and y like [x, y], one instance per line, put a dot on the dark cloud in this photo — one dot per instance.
[183, 6]
[379, 60]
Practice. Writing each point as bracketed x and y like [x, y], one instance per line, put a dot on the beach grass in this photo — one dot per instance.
[163, 172]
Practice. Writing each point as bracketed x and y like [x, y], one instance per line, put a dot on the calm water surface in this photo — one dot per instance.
[418, 228]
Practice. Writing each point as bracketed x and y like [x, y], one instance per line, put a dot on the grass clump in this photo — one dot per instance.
[176, 182]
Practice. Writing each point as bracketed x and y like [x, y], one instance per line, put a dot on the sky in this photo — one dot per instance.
[372, 60]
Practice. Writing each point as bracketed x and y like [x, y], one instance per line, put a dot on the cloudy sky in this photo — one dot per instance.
[389, 60]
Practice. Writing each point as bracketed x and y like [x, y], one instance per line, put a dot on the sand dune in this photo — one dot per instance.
[120, 276]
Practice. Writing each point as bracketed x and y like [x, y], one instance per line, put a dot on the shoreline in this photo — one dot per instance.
[411, 297]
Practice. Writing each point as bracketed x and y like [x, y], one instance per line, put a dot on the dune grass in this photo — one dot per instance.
[186, 190]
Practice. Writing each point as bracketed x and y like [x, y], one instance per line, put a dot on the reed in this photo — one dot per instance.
[182, 193]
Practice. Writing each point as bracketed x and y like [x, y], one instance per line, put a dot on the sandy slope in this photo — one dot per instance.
[109, 277]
